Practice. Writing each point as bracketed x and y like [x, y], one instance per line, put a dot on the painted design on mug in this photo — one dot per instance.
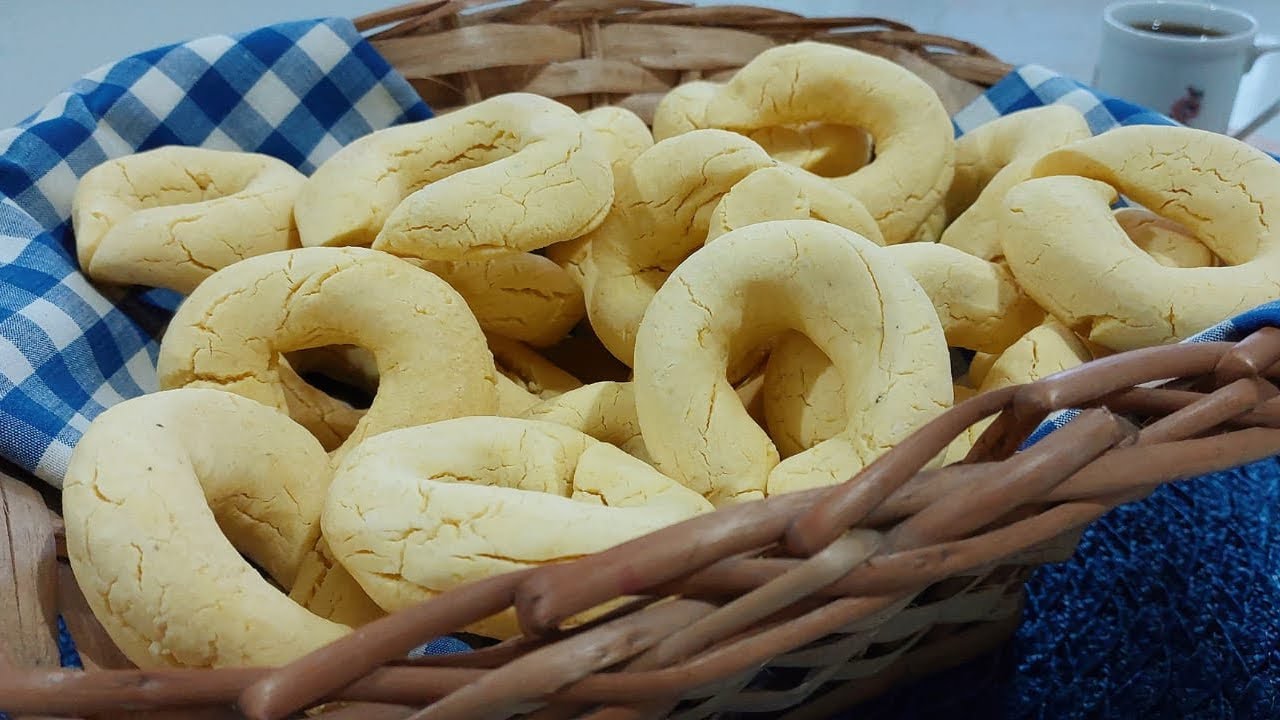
[1187, 107]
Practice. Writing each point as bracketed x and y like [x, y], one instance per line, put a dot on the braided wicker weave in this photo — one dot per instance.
[587, 53]
[803, 603]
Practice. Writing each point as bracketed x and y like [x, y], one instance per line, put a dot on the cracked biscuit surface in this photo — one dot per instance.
[161, 494]
[521, 296]
[994, 157]
[603, 410]
[912, 133]
[431, 355]
[512, 173]
[1067, 250]
[787, 193]
[841, 291]
[173, 216]
[661, 215]
[414, 512]
[623, 137]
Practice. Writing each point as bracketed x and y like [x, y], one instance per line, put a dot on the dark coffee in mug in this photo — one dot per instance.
[1179, 29]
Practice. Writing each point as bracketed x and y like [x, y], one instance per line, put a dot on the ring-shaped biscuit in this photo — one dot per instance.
[979, 304]
[521, 296]
[1065, 247]
[512, 173]
[661, 216]
[994, 157]
[912, 133]
[415, 512]
[623, 137]
[431, 354]
[838, 288]
[173, 216]
[821, 148]
[161, 494]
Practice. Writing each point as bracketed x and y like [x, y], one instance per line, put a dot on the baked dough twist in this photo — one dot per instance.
[1066, 249]
[836, 287]
[173, 216]
[521, 296]
[660, 217]
[623, 137]
[512, 173]
[417, 511]
[993, 158]
[162, 493]
[432, 357]
[913, 136]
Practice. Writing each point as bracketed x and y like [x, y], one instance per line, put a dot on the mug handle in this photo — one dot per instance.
[1256, 51]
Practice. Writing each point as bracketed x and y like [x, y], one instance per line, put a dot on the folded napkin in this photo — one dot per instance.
[1171, 607]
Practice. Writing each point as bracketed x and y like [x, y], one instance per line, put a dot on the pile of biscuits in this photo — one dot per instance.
[516, 334]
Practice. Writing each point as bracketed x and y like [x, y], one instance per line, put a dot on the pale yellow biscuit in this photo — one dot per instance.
[838, 288]
[930, 231]
[979, 304]
[993, 158]
[979, 366]
[172, 216]
[1046, 349]
[661, 216]
[414, 512]
[162, 494]
[434, 361]
[325, 588]
[623, 136]
[521, 296]
[532, 372]
[605, 411]
[512, 173]
[911, 131]
[803, 396]
[787, 193]
[331, 420]
[1066, 249]
[525, 377]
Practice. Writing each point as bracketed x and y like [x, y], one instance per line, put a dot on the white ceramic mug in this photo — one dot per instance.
[1191, 78]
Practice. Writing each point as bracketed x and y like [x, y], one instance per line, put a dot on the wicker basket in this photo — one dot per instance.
[804, 603]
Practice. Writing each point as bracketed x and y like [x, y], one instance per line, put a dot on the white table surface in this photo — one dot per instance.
[46, 44]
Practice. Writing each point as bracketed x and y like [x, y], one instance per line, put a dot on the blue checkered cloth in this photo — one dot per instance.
[1180, 638]
[298, 91]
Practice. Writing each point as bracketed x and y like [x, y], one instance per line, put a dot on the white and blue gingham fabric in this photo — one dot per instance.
[68, 350]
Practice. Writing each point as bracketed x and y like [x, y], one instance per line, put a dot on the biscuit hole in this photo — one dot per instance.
[345, 372]
[824, 149]
[1170, 243]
